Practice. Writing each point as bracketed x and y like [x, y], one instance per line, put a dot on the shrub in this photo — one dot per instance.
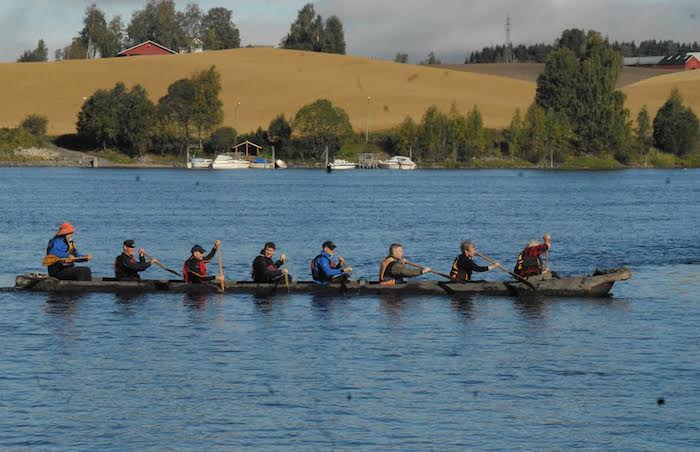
[35, 124]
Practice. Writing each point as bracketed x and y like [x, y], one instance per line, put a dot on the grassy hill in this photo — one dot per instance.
[266, 82]
[653, 92]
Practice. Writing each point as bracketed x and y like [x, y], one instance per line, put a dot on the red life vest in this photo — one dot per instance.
[186, 273]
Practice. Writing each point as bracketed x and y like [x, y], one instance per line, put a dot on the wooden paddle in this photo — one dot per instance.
[51, 259]
[161, 265]
[516, 276]
[221, 268]
[444, 275]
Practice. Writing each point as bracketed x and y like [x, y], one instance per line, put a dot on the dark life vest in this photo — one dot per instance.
[192, 278]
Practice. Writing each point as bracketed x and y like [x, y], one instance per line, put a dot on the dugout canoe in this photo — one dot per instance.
[597, 284]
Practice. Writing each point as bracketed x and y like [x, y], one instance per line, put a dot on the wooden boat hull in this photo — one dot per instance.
[596, 285]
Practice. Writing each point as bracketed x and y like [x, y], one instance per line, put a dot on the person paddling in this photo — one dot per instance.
[61, 256]
[393, 268]
[126, 267]
[267, 271]
[463, 265]
[194, 270]
[324, 270]
[529, 262]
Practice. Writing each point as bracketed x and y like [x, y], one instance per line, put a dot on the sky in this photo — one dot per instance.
[380, 28]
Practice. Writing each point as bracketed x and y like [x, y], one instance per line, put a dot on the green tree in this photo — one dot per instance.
[408, 134]
[35, 124]
[191, 23]
[112, 40]
[514, 135]
[208, 109]
[535, 133]
[431, 59]
[575, 40]
[279, 131]
[434, 135]
[39, 54]
[158, 21]
[401, 58]
[676, 126]
[218, 30]
[306, 32]
[333, 36]
[222, 140]
[137, 121]
[556, 85]
[558, 137]
[643, 133]
[94, 30]
[177, 107]
[322, 118]
[475, 134]
[98, 119]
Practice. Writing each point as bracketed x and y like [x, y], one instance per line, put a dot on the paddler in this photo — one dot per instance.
[194, 271]
[530, 262]
[61, 256]
[463, 265]
[393, 268]
[266, 270]
[126, 267]
[324, 270]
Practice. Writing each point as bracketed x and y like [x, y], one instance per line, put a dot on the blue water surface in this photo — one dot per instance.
[170, 371]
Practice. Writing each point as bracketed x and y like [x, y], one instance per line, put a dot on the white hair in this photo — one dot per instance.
[532, 243]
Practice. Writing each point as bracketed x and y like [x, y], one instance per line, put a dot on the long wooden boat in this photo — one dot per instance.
[597, 284]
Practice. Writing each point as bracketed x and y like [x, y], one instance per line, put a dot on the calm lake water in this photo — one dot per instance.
[234, 371]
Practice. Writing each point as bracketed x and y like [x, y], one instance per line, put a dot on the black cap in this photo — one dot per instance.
[129, 244]
[328, 244]
[197, 248]
[270, 245]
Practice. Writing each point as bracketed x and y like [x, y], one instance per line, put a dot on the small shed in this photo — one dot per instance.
[146, 48]
[247, 144]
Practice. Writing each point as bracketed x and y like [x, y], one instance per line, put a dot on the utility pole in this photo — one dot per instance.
[369, 98]
[509, 45]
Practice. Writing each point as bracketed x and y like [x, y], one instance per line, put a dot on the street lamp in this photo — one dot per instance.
[369, 98]
[235, 119]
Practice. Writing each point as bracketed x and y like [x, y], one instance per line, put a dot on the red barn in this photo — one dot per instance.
[147, 48]
[681, 62]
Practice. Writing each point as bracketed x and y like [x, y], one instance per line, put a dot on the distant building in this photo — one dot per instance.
[681, 62]
[678, 62]
[146, 48]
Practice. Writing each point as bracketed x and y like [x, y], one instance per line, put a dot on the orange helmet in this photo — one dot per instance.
[65, 229]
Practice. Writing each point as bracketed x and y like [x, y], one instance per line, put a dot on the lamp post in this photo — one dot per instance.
[369, 98]
[235, 119]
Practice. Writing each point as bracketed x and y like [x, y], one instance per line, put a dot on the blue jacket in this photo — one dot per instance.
[59, 247]
[323, 264]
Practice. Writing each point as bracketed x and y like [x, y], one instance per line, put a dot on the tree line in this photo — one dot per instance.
[575, 39]
[183, 31]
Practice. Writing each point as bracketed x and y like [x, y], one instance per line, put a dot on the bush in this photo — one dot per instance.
[676, 127]
[35, 124]
[18, 138]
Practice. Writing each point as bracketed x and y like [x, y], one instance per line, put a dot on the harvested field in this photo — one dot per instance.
[653, 92]
[266, 82]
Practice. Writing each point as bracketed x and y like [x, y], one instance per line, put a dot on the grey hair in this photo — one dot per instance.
[532, 243]
[466, 244]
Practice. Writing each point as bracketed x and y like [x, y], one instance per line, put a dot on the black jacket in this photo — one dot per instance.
[127, 268]
[463, 266]
[195, 271]
[265, 270]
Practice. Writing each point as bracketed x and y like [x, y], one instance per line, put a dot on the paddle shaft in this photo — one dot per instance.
[514, 275]
[221, 268]
[444, 275]
[161, 265]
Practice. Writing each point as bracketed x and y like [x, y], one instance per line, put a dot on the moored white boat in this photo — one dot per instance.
[340, 164]
[280, 164]
[198, 163]
[226, 161]
[261, 163]
[398, 162]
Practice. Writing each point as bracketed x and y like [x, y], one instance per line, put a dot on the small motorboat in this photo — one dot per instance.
[198, 163]
[398, 162]
[340, 164]
[227, 161]
[261, 163]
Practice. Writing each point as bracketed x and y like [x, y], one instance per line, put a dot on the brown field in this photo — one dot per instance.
[266, 82]
[654, 91]
[530, 71]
